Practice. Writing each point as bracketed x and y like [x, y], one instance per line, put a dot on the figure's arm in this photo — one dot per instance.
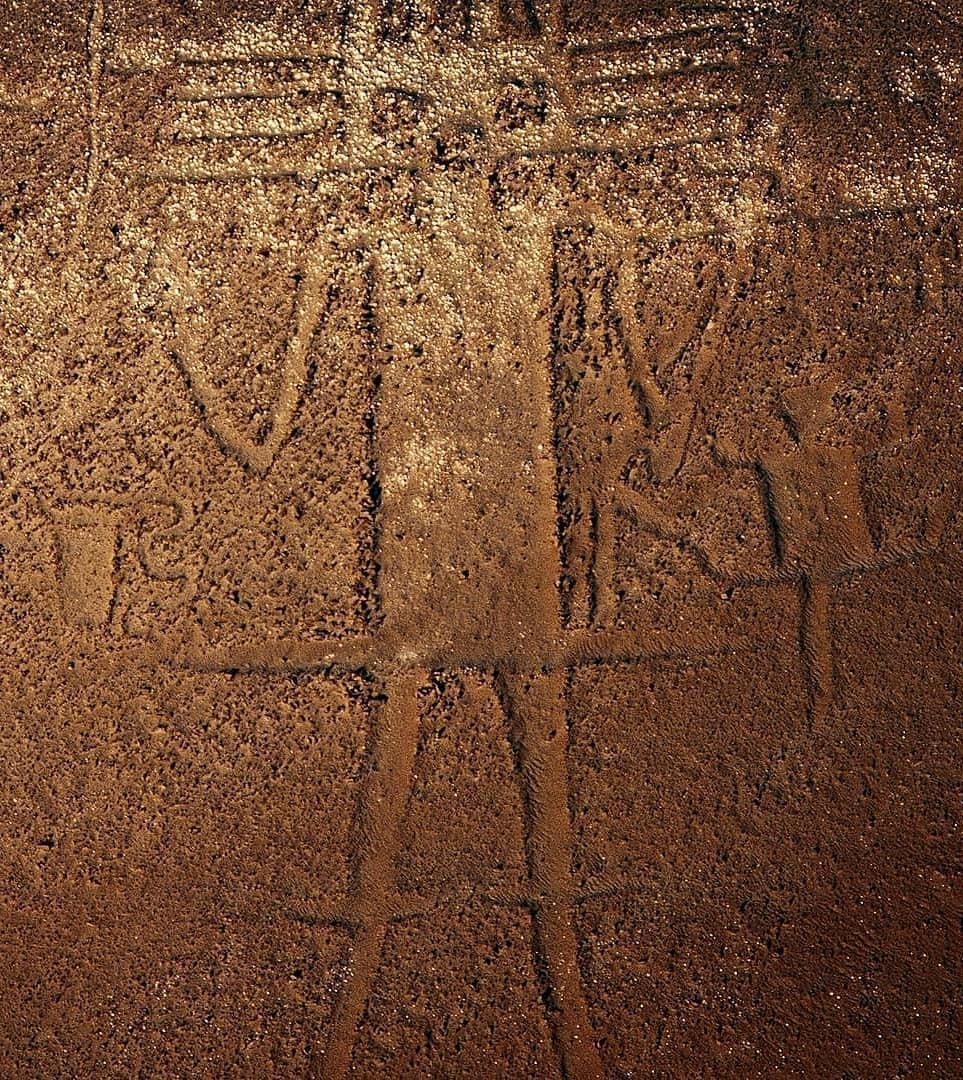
[895, 433]
[897, 429]
[727, 454]
[626, 293]
[154, 534]
[648, 517]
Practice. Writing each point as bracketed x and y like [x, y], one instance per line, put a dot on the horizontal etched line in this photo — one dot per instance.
[255, 95]
[663, 23]
[646, 41]
[249, 136]
[706, 166]
[120, 71]
[662, 65]
[691, 74]
[682, 112]
[220, 178]
[238, 78]
[258, 58]
[870, 210]
[370, 653]
[309, 173]
[304, 154]
[706, 158]
[843, 102]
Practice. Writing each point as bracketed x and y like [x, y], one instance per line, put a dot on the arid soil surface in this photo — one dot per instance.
[480, 560]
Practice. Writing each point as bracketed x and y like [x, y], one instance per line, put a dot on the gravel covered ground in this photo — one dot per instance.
[480, 561]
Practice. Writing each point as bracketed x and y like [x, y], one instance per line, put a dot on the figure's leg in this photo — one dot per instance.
[536, 709]
[373, 891]
[668, 447]
[604, 602]
[816, 647]
[578, 551]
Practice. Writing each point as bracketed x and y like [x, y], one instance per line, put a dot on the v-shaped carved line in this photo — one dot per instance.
[253, 455]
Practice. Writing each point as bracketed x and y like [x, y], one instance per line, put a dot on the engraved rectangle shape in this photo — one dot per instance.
[197, 77]
[668, 56]
[662, 23]
[232, 117]
[710, 86]
[304, 153]
[631, 132]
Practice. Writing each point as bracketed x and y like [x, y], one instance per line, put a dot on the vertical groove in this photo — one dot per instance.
[816, 647]
[77, 241]
[536, 709]
[373, 889]
[95, 70]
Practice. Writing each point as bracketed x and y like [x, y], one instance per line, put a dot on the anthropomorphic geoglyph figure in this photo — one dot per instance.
[811, 495]
[671, 305]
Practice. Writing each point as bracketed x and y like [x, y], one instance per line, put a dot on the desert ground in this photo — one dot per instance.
[480, 550]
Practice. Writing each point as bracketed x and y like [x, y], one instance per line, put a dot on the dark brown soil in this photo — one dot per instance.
[480, 569]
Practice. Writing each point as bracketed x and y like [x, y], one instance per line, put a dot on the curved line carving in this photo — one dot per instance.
[257, 456]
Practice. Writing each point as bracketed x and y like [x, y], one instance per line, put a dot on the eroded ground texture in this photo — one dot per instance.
[480, 565]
